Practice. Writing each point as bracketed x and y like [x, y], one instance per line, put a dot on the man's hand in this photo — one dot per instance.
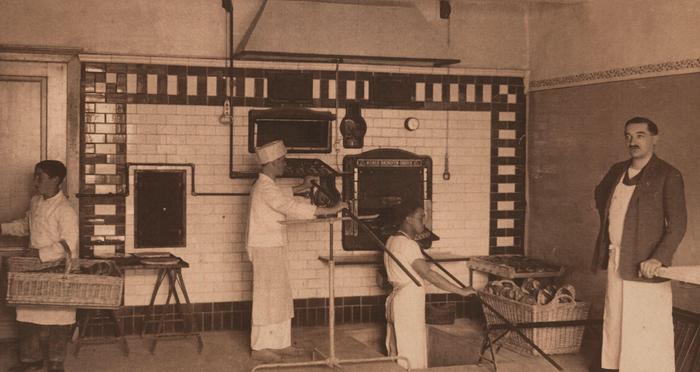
[648, 268]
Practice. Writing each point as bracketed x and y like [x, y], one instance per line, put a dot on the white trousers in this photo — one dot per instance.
[406, 334]
[272, 336]
[638, 324]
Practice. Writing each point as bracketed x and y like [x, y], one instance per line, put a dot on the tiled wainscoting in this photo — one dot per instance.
[219, 316]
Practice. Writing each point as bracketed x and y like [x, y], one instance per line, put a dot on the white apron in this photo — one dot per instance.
[405, 330]
[405, 306]
[638, 322]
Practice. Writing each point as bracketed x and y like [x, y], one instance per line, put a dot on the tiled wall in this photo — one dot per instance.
[170, 114]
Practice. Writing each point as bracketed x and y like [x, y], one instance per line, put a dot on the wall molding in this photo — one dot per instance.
[685, 66]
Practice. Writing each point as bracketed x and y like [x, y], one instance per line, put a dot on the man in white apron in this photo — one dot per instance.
[267, 249]
[405, 306]
[643, 219]
[52, 226]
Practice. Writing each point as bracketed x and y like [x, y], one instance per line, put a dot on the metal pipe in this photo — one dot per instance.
[193, 190]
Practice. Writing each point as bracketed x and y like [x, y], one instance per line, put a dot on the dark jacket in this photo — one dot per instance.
[655, 221]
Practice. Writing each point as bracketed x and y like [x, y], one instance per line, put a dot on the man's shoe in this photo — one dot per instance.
[27, 366]
[290, 351]
[265, 356]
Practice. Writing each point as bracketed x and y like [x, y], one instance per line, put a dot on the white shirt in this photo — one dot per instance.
[47, 222]
[406, 251]
[270, 204]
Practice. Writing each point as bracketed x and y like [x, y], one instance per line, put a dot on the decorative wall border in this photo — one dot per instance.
[685, 66]
[107, 89]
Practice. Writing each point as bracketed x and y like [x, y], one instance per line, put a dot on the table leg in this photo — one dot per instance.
[189, 321]
[151, 306]
[83, 329]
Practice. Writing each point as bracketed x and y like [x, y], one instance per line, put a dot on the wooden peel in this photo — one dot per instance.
[688, 274]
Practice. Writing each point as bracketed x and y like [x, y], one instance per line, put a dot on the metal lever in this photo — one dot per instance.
[372, 235]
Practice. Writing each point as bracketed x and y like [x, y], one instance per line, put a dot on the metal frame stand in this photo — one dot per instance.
[331, 359]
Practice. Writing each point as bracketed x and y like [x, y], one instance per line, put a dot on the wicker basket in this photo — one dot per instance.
[25, 287]
[554, 340]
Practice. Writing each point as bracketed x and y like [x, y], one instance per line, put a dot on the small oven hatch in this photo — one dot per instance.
[377, 181]
[302, 130]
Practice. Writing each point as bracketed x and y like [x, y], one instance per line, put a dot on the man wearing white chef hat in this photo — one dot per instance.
[266, 244]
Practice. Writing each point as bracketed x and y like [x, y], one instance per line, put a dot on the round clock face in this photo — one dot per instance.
[411, 124]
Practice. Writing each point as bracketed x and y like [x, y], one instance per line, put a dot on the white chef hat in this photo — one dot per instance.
[270, 151]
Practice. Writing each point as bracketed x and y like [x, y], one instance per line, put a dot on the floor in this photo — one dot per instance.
[228, 351]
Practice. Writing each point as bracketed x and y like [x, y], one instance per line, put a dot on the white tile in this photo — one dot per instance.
[512, 98]
[505, 205]
[454, 92]
[211, 86]
[486, 93]
[506, 152]
[331, 89]
[504, 241]
[350, 89]
[249, 87]
[106, 148]
[506, 188]
[172, 85]
[105, 209]
[105, 230]
[506, 116]
[131, 83]
[111, 77]
[506, 170]
[105, 189]
[105, 168]
[366, 92]
[437, 92]
[503, 89]
[505, 224]
[152, 84]
[191, 85]
[420, 92]
[471, 93]
[264, 88]
[104, 250]
[506, 134]
[316, 90]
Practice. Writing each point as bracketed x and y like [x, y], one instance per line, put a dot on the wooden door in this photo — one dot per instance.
[22, 145]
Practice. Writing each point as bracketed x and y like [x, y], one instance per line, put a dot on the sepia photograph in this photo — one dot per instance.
[349, 185]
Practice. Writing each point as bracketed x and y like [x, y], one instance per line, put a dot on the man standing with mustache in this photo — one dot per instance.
[642, 221]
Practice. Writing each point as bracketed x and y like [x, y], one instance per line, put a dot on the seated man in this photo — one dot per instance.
[52, 226]
[405, 306]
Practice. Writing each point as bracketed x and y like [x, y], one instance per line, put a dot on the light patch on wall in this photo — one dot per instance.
[454, 93]
[249, 87]
[471, 93]
[505, 224]
[506, 170]
[106, 148]
[105, 189]
[316, 91]
[191, 85]
[420, 92]
[111, 77]
[152, 84]
[211, 86]
[331, 89]
[105, 230]
[505, 188]
[350, 89]
[512, 98]
[105, 209]
[172, 85]
[131, 83]
[506, 116]
[437, 92]
[506, 205]
[503, 89]
[506, 152]
[106, 168]
[506, 134]
[504, 241]
[486, 93]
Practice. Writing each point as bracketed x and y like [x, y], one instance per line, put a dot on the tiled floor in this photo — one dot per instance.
[228, 351]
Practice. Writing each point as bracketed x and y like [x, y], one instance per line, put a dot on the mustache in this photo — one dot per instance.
[633, 147]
